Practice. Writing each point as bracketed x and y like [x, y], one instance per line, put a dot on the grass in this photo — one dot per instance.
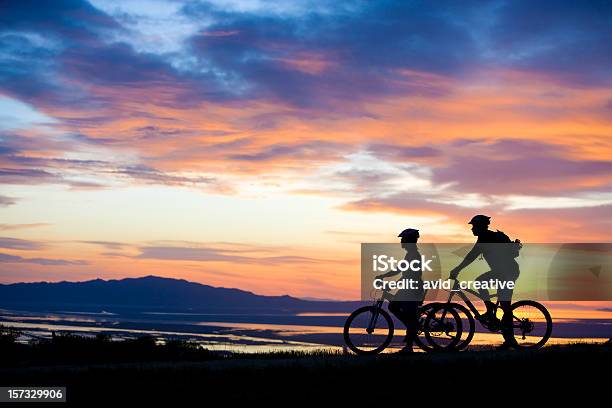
[142, 371]
[71, 349]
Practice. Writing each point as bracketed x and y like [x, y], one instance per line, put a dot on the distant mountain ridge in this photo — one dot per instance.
[155, 293]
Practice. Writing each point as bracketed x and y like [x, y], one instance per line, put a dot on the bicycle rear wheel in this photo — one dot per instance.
[468, 328]
[420, 340]
[531, 325]
[368, 330]
[443, 328]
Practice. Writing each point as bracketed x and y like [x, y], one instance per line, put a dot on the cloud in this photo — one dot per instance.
[111, 245]
[7, 201]
[325, 61]
[565, 40]
[507, 167]
[115, 64]
[505, 176]
[27, 176]
[30, 161]
[151, 175]
[317, 150]
[209, 254]
[568, 224]
[63, 54]
[21, 244]
[492, 168]
[74, 54]
[408, 204]
[63, 18]
[402, 152]
[33, 160]
[33, 35]
[39, 261]
[13, 227]
[347, 53]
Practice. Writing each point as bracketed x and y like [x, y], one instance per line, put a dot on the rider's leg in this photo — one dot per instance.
[505, 302]
[406, 312]
[506, 325]
[484, 293]
[396, 307]
[410, 320]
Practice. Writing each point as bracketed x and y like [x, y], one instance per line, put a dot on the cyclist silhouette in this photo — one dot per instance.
[406, 310]
[503, 268]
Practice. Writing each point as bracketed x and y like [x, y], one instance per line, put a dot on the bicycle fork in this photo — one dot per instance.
[450, 299]
[444, 311]
[374, 318]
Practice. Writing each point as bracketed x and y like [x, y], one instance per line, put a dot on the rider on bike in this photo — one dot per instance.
[406, 310]
[503, 268]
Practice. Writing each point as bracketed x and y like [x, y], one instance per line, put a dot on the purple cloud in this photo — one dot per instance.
[39, 261]
[20, 244]
[402, 152]
[521, 167]
[6, 201]
[314, 150]
[208, 254]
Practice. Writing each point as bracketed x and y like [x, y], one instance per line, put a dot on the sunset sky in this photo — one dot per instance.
[256, 144]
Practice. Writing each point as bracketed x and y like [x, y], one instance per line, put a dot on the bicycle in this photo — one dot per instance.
[369, 329]
[531, 321]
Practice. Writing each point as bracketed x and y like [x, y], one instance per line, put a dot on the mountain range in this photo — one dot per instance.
[154, 293]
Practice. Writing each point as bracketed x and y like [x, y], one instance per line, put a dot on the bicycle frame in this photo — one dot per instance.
[461, 293]
[492, 324]
[377, 312]
[378, 304]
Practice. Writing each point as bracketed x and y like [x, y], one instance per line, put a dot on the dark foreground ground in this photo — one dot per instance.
[487, 376]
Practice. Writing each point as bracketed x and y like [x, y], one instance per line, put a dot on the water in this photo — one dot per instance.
[245, 332]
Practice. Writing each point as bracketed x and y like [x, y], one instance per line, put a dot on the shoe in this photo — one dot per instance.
[489, 316]
[504, 346]
[405, 350]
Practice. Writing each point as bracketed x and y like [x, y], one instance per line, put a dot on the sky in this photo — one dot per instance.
[255, 144]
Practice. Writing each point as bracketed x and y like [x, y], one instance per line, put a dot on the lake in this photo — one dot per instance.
[244, 332]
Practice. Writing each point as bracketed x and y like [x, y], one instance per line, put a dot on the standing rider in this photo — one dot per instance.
[503, 268]
[406, 302]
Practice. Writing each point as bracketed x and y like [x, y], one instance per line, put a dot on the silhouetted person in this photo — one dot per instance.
[406, 310]
[503, 268]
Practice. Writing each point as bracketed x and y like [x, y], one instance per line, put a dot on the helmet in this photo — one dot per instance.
[409, 232]
[480, 220]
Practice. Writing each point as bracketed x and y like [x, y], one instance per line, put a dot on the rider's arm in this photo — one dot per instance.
[390, 273]
[469, 258]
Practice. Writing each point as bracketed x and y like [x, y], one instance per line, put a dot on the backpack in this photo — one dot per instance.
[513, 249]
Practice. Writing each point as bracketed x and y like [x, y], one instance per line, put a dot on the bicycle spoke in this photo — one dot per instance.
[531, 325]
[443, 328]
[368, 330]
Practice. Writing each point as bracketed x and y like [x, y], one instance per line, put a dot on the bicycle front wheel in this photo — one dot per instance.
[443, 328]
[531, 325]
[368, 330]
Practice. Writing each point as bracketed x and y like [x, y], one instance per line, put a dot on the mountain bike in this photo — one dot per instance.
[369, 329]
[531, 321]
